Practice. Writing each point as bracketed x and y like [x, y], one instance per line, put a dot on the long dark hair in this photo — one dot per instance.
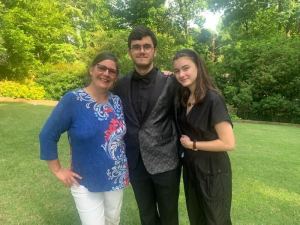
[203, 80]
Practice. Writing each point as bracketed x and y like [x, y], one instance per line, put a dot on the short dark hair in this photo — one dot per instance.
[140, 32]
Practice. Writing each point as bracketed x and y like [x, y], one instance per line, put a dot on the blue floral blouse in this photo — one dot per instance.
[95, 132]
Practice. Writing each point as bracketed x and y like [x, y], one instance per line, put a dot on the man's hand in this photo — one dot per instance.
[167, 73]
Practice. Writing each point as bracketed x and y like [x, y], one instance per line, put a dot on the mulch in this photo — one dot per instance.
[33, 102]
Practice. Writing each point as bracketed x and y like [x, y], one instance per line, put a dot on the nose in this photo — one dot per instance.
[106, 72]
[181, 73]
[142, 49]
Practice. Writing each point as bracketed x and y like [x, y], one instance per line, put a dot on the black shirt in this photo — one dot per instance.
[199, 123]
[141, 89]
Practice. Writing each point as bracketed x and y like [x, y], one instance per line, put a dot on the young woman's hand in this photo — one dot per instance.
[186, 142]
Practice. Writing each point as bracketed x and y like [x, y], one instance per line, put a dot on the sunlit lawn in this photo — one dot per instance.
[266, 175]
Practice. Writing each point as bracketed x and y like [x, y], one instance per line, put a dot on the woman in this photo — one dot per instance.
[94, 120]
[207, 135]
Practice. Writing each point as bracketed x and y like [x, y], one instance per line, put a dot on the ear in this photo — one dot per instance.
[91, 70]
[129, 53]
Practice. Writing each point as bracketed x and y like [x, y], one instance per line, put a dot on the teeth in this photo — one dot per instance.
[103, 79]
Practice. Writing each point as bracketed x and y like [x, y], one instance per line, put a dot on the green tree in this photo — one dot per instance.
[89, 16]
[257, 66]
[133, 12]
[35, 32]
[185, 12]
[285, 14]
[255, 74]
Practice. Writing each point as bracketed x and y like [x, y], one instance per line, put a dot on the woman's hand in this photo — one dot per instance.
[186, 142]
[67, 177]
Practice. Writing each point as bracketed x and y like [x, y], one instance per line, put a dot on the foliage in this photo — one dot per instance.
[258, 58]
[166, 49]
[185, 12]
[13, 89]
[19, 58]
[59, 78]
[284, 14]
[134, 12]
[87, 17]
[261, 78]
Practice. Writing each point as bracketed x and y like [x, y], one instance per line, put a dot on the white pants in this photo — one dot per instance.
[97, 208]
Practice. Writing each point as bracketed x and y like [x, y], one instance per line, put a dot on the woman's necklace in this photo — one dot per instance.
[190, 103]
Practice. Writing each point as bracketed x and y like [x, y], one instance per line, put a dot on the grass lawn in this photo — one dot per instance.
[266, 175]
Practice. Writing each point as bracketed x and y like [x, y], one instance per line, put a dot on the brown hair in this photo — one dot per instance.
[99, 58]
[105, 56]
[203, 80]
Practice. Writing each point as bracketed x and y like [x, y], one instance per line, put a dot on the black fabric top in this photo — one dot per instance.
[141, 92]
[199, 123]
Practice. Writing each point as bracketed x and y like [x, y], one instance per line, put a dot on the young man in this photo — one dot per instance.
[151, 139]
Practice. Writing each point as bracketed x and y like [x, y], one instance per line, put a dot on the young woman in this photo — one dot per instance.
[94, 120]
[206, 135]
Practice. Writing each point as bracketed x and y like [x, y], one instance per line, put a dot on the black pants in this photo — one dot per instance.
[208, 195]
[156, 195]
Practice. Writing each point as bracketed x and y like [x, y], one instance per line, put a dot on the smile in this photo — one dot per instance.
[104, 79]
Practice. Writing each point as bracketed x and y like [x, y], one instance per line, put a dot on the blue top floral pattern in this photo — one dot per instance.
[95, 132]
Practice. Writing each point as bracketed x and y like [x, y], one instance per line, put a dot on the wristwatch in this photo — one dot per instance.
[194, 146]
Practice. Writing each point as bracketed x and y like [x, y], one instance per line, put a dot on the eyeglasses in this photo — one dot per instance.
[138, 48]
[103, 69]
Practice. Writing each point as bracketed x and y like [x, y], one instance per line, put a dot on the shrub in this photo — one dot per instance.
[261, 78]
[29, 90]
[59, 78]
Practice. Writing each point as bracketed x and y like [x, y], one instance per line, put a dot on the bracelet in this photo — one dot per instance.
[194, 146]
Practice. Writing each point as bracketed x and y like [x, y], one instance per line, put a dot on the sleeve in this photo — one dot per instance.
[58, 122]
[122, 111]
[119, 107]
[219, 112]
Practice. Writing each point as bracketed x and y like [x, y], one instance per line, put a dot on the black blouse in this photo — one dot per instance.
[199, 123]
